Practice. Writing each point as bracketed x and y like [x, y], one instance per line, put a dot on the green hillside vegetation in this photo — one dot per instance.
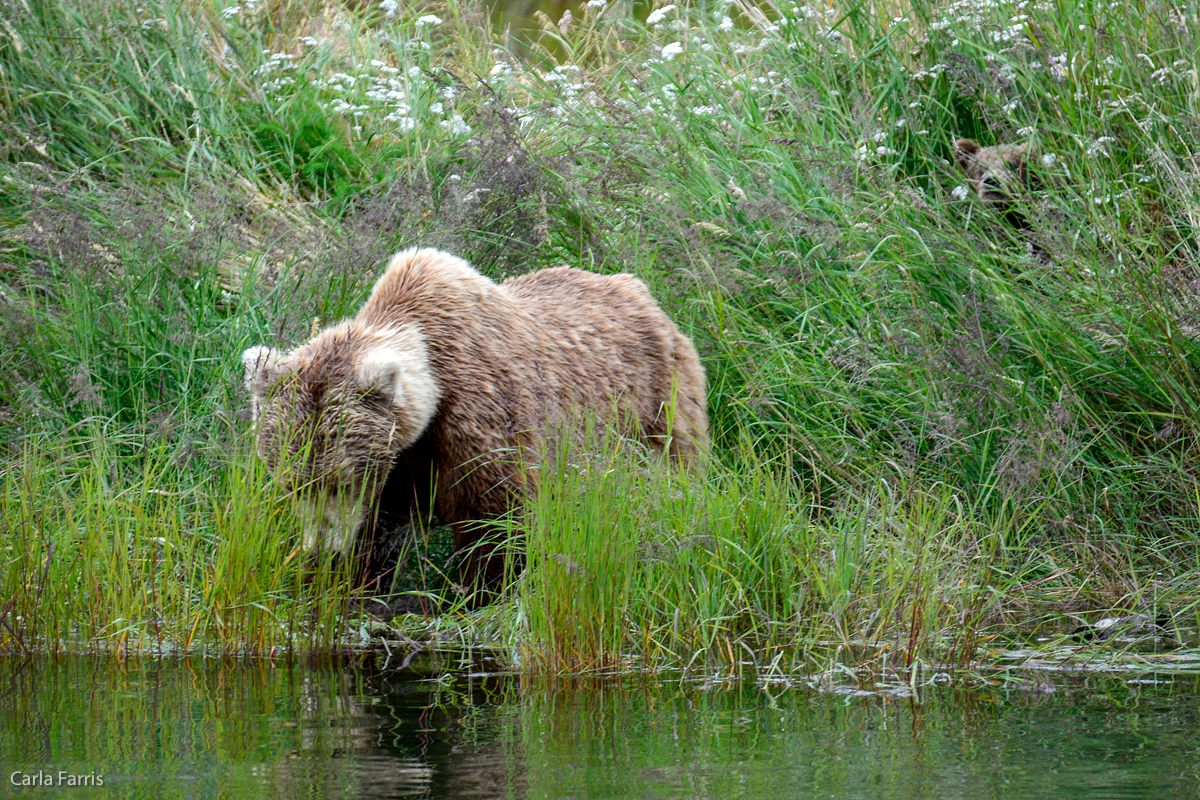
[935, 433]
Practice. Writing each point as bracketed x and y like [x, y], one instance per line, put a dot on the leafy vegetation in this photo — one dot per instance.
[931, 427]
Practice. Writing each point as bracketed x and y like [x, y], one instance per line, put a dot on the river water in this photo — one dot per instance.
[450, 726]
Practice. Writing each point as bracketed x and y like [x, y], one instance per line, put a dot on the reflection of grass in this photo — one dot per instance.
[928, 426]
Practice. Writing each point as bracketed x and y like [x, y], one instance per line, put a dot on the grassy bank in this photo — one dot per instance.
[931, 429]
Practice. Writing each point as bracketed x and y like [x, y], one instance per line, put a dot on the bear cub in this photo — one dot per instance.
[998, 174]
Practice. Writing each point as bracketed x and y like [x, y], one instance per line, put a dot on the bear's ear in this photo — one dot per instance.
[380, 371]
[258, 364]
[965, 150]
[404, 377]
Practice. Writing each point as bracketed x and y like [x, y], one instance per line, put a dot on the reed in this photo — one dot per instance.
[631, 562]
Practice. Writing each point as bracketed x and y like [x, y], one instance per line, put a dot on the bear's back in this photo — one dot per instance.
[574, 293]
[613, 337]
[611, 319]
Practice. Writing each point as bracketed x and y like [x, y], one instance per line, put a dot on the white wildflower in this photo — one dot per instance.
[659, 15]
[429, 19]
[1099, 148]
[1058, 66]
[1049, 159]
[389, 7]
[672, 50]
[960, 192]
[456, 125]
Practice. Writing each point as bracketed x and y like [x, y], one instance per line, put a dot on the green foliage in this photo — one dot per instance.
[919, 410]
[119, 561]
[303, 146]
[630, 561]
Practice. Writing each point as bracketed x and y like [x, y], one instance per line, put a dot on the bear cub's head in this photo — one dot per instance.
[332, 415]
[998, 174]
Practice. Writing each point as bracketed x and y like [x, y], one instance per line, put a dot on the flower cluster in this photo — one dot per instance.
[372, 92]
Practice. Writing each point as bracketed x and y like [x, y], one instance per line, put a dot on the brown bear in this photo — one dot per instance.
[999, 175]
[445, 385]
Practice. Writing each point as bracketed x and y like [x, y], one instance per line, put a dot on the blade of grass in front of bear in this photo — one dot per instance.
[99, 554]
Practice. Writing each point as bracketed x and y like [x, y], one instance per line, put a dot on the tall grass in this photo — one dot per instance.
[99, 553]
[632, 562]
[930, 427]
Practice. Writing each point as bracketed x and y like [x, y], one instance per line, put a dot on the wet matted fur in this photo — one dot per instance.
[445, 384]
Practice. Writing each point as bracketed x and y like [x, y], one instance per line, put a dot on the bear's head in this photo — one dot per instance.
[997, 174]
[332, 415]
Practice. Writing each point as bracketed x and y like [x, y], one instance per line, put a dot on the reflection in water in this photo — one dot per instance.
[207, 729]
[441, 729]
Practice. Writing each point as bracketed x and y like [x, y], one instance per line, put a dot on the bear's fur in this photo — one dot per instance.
[445, 380]
[998, 174]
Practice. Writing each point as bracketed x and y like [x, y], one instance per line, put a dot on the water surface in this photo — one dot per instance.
[445, 728]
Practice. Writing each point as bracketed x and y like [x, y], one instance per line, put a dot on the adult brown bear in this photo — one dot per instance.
[445, 385]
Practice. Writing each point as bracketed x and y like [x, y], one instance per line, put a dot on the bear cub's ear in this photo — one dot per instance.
[258, 365]
[964, 149]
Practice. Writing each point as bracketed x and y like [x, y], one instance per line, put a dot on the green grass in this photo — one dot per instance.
[133, 554]
[930, 429]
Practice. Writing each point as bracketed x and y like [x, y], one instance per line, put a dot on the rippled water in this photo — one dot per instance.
[447, 729]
